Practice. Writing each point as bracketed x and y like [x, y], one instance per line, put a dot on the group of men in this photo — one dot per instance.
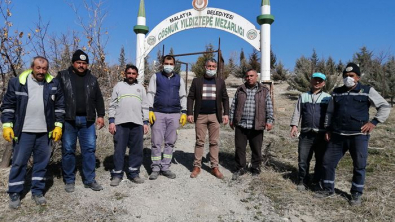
[38, 108]
[333, 124]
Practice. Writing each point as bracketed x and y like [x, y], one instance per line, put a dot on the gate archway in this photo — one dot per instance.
[201, 16]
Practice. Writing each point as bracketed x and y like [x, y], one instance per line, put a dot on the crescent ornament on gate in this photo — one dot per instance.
[199, 5]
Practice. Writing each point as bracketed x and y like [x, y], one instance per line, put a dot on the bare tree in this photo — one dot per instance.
[96, 35]
[11, 45]
[39, 36]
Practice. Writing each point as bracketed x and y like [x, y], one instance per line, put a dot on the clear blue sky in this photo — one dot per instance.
[336, 28]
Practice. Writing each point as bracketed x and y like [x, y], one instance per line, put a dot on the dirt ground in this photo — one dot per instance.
[269, 197]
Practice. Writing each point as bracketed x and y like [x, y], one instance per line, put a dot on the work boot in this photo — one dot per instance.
[301, 186]
[255, 172]
[195, 172]
[15, 201]
[154, 175]
[238, 173]
[39, 199]
[94, 186]
[115, 181]
[323, 194]
[356, 199]
[169, 174]
[69, 187]
[215, 171]
[137, 179]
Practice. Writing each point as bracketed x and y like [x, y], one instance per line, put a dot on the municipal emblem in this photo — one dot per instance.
[151, 40]
[252, 34]
[199, 5]
[82, 57]
[349, 69]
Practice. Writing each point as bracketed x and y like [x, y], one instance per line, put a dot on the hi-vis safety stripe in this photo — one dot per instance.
[129, 95]
[20, 93]
[38, 178]
[16, 183]
[8, 111]
[357, 185]
[133, 168]
[329, 181]
[60, 111]
[351, 93]
[118, 171]
[155, 158]
[169, 156]
[5, 125]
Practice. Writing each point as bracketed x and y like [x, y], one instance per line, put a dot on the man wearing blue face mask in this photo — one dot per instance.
[348, 128]
[167, 109]
[208, 106]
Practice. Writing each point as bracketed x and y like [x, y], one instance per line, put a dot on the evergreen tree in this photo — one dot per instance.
[280, 73]
[389, 76]
[273, 60]
[301, 80]
[339, 68]
[364, 58]
[305, 67]
[177, 65]
[314, 61]
[242, 57]
[199, 67]
[158, 62]
[122, 59]
[229, 68]
[254, 61]
[148, 72]
[122, 64]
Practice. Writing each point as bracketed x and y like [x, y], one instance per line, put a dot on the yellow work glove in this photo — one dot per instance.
[57, 133]
[183, 119]
[151, 117]
[8, 133]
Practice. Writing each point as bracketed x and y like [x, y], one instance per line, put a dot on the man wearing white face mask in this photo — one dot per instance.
[167, 109]
[208, 106]
[348, 128]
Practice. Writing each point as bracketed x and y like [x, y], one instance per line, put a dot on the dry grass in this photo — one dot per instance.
[279, 176]
[277, 180]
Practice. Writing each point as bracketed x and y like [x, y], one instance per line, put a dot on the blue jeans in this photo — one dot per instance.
[357, 145]
[39, 145]
[309, 143]
[131, 135]
[85, 131]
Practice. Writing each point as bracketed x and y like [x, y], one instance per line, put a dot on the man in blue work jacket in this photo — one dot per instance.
[32, 113]
[348, 128]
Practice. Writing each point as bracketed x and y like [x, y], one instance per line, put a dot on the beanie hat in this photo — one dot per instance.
[352, 67]
[80, 55]
[319, 75]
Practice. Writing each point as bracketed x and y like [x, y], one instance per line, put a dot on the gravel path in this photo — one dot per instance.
[204, 198]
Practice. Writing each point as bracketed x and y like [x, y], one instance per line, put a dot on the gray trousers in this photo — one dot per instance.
[163, 130]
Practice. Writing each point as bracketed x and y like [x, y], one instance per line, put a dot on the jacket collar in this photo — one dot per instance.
[244, 87]
[23, 77]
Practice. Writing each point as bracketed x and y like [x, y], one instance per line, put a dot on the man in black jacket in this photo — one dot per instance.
[207, 106]
[83, 99]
